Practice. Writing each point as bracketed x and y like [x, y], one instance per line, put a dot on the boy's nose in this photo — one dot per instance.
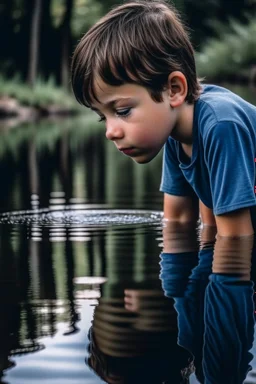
[114, 130]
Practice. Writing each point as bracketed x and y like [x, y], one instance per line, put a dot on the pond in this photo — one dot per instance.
[85, 294]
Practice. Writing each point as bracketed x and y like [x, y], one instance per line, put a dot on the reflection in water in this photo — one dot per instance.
[133, 337]
[215, 310]
[56, 279]
[58, 164]
[52, 167]
[43, 283]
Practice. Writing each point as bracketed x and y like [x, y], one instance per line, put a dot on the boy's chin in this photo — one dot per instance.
[143, 159]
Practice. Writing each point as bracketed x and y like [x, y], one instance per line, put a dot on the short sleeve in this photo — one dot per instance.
[173, 181]
[229, 155]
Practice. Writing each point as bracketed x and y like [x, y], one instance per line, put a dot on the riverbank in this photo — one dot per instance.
[11, 107]
[18, 100]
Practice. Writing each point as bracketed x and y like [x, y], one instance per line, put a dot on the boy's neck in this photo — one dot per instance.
[183, 130]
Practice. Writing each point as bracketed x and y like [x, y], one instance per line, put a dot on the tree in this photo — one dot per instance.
[34, 42]
[66, 39]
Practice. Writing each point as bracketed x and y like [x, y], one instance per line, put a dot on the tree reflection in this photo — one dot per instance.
[133, 337]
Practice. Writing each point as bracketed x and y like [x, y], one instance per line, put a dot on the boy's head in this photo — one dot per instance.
[139, 42]
[163, 360]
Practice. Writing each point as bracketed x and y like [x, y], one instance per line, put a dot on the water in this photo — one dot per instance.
[80, 244]
[87, 217]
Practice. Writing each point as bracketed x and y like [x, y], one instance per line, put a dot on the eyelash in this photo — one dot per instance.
[125, 112]
[119, 113]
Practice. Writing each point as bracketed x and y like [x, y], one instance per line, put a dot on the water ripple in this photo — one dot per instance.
[88, 217]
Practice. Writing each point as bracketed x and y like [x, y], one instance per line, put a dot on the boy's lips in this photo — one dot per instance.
[127, 151]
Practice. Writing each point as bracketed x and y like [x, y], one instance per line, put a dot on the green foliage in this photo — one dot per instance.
[233, 50]
[43, 94]
[57, 11]
[85, 14]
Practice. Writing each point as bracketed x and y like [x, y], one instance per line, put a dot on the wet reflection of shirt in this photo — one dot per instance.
[215, 317]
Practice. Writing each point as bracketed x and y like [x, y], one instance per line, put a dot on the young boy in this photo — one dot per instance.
[135, 67]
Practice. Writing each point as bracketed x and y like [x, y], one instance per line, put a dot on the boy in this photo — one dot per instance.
[135, 67]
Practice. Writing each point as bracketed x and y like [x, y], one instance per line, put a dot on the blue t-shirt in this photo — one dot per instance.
[221, 171]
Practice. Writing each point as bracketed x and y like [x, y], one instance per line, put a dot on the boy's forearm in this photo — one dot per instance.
[236, 223]
[184, 209]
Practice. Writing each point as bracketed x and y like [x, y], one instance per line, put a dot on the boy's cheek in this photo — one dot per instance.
[146, 139]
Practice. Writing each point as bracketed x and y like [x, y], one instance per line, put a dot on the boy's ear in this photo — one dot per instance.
[177, 88]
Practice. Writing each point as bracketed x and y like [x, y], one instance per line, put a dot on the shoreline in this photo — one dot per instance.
[11, 108]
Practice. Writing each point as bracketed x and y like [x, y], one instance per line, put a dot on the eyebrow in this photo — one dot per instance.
[111, 102]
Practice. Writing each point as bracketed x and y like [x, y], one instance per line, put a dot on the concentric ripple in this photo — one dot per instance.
[95, 218]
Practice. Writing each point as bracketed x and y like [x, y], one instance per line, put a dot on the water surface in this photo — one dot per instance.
[80, 244]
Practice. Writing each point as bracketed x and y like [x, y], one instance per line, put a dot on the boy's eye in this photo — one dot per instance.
[124, 112]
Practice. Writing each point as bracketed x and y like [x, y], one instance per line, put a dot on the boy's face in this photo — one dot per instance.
[136, 124]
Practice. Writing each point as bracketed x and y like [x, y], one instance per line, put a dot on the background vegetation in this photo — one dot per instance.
[39, 36]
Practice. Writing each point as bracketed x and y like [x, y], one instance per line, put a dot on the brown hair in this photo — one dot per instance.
[139, 42]
[166, 368]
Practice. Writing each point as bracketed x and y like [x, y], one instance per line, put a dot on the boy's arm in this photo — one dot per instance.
[237, 223]
[186, 209]
[181, 208]
[179, 232]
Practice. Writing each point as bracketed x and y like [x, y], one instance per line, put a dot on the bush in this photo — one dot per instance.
[232, 52]
[42, 95]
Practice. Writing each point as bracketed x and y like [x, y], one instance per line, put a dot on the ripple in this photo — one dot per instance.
[92, 218]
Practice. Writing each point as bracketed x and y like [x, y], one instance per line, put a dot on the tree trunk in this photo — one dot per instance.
[34, 42]
[47, 51]
[66, 37]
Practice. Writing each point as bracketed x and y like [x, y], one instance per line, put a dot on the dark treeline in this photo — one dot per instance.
[38, 36]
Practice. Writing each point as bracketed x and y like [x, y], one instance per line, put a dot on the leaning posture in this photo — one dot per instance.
[136, 69]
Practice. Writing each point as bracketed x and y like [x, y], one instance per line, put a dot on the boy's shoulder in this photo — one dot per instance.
[217, 104]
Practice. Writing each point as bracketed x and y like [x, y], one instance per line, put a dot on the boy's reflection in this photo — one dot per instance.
[133, 339]
[215, 309]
